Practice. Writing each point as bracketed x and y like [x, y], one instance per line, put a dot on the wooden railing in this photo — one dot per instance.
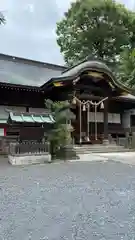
[29, 148]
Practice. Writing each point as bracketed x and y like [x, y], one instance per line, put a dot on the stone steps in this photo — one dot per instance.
[87, 149]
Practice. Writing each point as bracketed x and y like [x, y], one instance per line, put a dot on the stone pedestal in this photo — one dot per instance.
[66, 153]
[105, 142]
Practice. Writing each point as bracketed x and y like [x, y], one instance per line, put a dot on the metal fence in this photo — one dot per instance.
[29, 148]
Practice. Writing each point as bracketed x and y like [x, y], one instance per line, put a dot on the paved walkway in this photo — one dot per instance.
[68, 201]
[124, 157]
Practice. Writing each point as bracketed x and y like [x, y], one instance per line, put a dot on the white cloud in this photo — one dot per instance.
[129, 3]
[30, 28]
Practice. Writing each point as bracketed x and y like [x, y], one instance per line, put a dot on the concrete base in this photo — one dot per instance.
[29, 159]
[105, 142]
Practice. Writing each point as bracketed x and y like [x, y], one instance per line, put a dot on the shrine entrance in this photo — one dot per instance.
[91, 122]
[93, 92]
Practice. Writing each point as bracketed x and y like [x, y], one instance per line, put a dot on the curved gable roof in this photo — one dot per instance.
[97, 66]
[84, 65]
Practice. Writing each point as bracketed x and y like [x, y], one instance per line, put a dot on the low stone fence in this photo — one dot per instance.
[28, 153]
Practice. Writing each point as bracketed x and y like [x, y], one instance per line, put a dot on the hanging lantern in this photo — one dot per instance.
[84, 108]
[74, 101]
[102, 105]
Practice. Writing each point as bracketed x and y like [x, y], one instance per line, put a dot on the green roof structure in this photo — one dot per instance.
[30, 118]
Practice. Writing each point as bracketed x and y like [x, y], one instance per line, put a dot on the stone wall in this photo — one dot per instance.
[28, 153]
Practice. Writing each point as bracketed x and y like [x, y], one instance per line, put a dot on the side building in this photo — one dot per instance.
[21, 100]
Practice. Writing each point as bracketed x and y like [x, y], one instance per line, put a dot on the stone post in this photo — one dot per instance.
[105, 140]
[133, 140]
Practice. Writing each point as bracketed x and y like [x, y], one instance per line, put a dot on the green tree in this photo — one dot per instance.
[60, 133]
[2, 18]
[94, 28]
[126, 68]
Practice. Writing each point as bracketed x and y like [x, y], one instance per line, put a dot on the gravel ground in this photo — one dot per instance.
[90, 200]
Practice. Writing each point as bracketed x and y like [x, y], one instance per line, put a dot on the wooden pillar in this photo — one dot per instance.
[80, 124]
[106, 121]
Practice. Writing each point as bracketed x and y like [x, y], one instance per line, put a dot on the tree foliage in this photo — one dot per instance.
[126, 67]
[99, 29]
[2, 18]
[60, 134]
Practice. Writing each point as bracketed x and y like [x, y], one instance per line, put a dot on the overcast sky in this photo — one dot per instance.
[30, 28]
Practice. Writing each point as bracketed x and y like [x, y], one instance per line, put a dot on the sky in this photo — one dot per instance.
[30, 28]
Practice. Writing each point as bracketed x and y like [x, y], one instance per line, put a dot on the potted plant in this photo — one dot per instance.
[60, 134]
